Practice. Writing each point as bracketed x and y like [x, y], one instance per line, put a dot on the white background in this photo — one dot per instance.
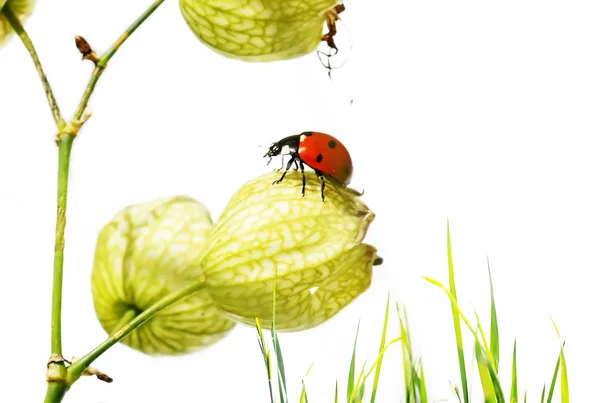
[482, 113]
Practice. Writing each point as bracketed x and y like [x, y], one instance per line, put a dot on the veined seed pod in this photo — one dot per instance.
[314, 248]
[145, 252]
[22, 10]
[260, 30]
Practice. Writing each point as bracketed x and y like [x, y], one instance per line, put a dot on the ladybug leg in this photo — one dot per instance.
[320, 175]
[303, 178]
[287, 168]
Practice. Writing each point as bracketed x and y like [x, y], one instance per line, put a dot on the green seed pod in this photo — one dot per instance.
[145, 252]
[313, 247]
[258, 30]
[21, 8]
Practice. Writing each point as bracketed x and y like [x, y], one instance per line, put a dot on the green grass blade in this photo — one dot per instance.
[486, 346]
[362, 377]
[514, 394]
[354, 396]
[494, 336]
[454, 304]
[554, 377]
[543, 394]
[350, 387]
[564, 381]
[422, 388]
[456, 391]
[525, 398]
[406, 358]
[487, 384]
[281, 382]
[381, 347]
[303, 395]
[280, 369]
[336, 400]
[456, 319]
[496, 381]
[266, 356]
[361, 393]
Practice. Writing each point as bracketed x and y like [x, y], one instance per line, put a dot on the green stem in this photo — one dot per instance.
[15, 23]
[57, 374]
[75, 371]
[64, 158]
[103, 61]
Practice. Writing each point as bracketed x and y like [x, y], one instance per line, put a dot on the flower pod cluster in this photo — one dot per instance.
[267, 236]
[145, 252]
[258, 30]
[21, 8]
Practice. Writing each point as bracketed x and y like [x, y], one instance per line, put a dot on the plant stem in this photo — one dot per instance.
[57, 374]
[15, 23]
[103, 61]
[75, 371]
[64, 157]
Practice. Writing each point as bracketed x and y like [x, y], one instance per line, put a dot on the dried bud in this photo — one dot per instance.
[22, 9]
[313, 247]
[145, 252]
[259, 30]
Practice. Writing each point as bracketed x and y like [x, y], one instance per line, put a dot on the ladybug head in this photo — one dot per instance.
[274, 150]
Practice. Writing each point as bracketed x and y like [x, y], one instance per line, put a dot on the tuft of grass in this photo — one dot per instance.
[488, 355]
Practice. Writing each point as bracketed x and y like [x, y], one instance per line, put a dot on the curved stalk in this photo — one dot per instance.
[75, 371]
[15, 23]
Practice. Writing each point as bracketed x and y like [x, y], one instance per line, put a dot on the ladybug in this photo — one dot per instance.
[320, 151]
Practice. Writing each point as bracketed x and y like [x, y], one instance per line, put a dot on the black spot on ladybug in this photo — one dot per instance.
[346, 169]
[332, 144]
[319, 157]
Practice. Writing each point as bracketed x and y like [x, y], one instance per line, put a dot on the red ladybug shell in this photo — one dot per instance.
[327, 154]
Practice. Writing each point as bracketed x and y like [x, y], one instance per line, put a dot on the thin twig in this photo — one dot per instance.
[15, 23]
